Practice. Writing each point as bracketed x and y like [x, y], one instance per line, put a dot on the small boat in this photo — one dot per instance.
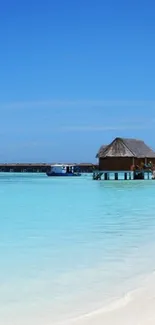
[63, 170]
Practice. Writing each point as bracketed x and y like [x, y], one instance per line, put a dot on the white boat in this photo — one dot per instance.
[63, 170]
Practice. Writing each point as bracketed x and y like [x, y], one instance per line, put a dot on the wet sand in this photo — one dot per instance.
[136, 308]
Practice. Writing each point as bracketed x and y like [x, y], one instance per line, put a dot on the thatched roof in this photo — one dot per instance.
[102, 148]
[122, 147]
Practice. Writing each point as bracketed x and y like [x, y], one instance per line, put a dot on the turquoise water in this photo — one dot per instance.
[71, 245]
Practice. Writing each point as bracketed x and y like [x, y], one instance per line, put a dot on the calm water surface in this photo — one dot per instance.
[70, 245]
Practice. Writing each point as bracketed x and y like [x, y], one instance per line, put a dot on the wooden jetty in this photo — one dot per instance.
[126, 159]
[40, 167]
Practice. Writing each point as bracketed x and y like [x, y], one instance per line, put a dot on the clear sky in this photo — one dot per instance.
[74, 74]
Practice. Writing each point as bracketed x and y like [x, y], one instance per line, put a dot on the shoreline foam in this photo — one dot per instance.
[137, 307]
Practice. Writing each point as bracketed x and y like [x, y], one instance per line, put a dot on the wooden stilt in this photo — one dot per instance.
[128, 175]
[106, 176]
[116, 176]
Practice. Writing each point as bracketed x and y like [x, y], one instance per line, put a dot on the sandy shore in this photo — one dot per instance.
[136, 308]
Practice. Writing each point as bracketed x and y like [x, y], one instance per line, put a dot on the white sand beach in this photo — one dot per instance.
[136, 308]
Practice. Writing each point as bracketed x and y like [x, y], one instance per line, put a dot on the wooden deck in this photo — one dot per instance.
[123, 175]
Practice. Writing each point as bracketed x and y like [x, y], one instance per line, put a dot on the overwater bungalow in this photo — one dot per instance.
[131, 157]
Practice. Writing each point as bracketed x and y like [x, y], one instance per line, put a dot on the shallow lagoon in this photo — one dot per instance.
[70, 246]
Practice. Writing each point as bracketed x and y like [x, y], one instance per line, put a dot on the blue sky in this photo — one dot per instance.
[74, 75]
